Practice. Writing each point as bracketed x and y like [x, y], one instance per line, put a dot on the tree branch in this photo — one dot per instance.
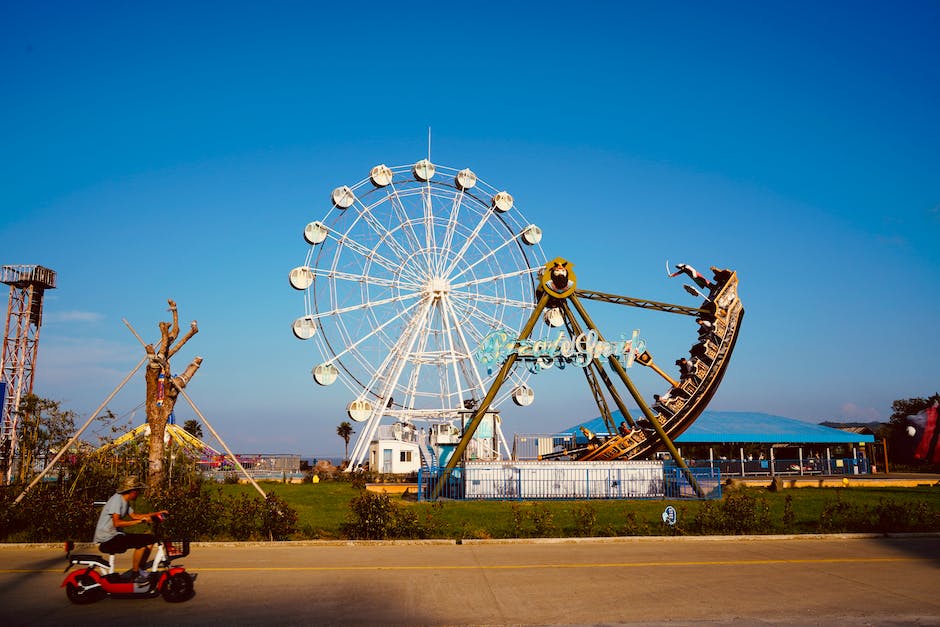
[180, 381]
[175, 329]
[193, 330]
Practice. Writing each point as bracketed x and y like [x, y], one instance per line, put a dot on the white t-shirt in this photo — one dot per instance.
[105, 529]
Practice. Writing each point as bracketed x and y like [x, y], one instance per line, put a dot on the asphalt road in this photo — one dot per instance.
[819, 580]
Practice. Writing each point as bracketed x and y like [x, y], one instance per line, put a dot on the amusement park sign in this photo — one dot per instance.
[543, 354]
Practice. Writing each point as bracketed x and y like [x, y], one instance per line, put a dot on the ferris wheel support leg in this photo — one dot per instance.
[488, 399]
[402, 349]
[622, 373]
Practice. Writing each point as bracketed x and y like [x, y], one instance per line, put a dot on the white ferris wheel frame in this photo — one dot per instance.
[406, 274]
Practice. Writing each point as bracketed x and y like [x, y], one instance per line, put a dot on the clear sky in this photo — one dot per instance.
[176, 150]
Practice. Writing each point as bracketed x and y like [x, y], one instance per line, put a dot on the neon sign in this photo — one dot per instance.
[543, 354]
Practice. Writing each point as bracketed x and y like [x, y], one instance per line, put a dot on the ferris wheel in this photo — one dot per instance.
[406, 274]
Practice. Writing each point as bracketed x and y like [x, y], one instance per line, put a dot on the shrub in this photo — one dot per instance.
[839, 516]
[789, 517]
[585, 518]
[244, 517]
[738, 513]
[532, 520]
[278, 519]
[886, 516]
[373, 516]
[197, 511]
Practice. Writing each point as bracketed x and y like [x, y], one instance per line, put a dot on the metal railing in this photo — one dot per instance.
[785, 467]
[568, 481]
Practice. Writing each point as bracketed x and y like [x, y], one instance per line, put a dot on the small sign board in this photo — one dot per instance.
[669, 515]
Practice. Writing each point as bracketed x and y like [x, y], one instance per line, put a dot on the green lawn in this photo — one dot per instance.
[323, 508]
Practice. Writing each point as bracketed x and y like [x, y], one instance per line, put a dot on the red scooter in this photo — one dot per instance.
[96, 578]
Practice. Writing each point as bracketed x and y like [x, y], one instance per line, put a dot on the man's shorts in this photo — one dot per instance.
[125, 541]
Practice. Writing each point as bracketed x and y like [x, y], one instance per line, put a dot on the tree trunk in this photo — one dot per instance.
[159, 408]
[162, 392]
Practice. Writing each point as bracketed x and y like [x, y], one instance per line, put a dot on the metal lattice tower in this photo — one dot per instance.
[20, 345]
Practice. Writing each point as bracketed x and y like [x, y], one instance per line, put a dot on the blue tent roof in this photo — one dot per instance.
[714, 427]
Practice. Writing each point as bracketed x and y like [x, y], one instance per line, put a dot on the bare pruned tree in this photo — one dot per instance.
[163, 389]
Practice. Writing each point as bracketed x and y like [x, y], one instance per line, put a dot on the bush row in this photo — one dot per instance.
[200, 510]
[58, 511]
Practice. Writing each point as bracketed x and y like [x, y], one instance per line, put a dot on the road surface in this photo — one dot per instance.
[822, 580]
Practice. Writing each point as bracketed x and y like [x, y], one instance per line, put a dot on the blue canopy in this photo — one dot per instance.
[715, 427]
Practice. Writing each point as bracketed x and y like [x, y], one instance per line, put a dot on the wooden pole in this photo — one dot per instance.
[222, 442]
[94, 415]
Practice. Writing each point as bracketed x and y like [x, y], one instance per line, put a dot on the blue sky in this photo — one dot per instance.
[177, 151]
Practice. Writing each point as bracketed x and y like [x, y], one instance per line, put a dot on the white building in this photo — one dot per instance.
[395, 450]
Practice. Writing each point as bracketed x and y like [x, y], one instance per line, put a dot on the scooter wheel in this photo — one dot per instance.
[178, 588]
[83, 594]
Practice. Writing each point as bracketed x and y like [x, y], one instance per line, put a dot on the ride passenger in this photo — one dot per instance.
[686, 369]
[118, 513]
[706, 331]
[721, 276]
[695, 275]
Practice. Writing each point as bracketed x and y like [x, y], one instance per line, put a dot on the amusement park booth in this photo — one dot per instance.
[395, 449]
[753, 443]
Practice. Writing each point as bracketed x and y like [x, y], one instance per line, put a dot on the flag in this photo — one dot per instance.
[926, 422]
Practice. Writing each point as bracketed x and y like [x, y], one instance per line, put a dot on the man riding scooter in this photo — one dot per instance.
[117, 514]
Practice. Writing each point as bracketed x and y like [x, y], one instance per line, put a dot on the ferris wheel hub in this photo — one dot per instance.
[437, 287]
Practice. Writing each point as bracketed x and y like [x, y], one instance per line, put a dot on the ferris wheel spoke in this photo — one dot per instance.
[494, 300]
[368, 217]
[375, 331]
[458, 258]
[363, 278]
[492, 252]
[402, 217]
[477, 379]
[449, 336]
[427, 206]
[366, 252]
[475, 312]
[366, 305]
[495, 277]
[398, 355]
[451, 227]
[408, 231]
[422, 348]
